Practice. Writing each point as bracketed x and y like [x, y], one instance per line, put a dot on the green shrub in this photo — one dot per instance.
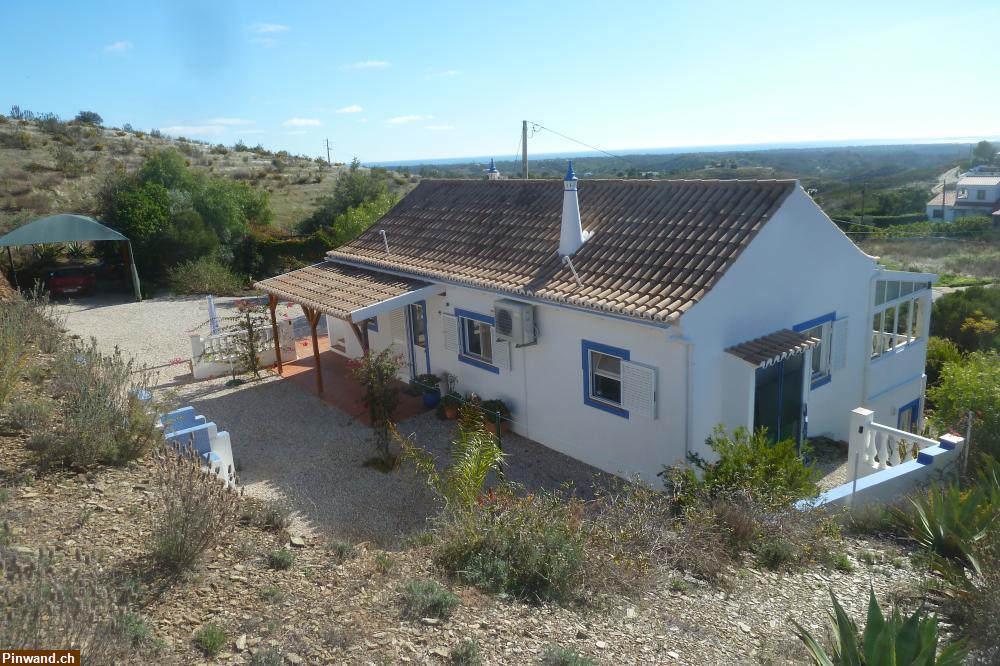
[31, 414]
[194, 510]
[885, 640]
[384, 563]
[531, 547]
[466, 653]
[104, 422]
[426, 598]
[280, 559]
[269, 656]
[205, 276]
[777, 554]
[267, 515]
[210, 639]
[841, 562]
[748, 462]
[45, 605]
[970, 385]
[556, 655]
[341, 550]
[939, 352]
[951, 311]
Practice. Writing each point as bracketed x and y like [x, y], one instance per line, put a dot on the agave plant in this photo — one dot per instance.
[948, 521]
[890, 641]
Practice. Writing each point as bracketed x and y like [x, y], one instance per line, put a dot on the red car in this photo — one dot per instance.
[72, 280]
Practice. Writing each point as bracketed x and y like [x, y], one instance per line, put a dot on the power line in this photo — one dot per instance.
[538, 126]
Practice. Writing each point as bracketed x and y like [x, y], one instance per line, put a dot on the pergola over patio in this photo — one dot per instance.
[352, 294]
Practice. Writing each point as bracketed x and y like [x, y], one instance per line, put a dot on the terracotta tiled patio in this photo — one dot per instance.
[339, 387]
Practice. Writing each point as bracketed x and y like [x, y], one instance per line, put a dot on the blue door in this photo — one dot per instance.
[909, 416]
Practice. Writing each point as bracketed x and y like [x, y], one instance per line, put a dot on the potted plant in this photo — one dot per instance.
[494, 407]
[450, 403]
[427, 384]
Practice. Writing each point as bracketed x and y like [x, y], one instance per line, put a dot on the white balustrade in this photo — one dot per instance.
[874, 446]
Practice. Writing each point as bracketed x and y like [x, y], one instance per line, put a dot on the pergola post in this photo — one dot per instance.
[272, 304]
[312, 316]
[361, 333]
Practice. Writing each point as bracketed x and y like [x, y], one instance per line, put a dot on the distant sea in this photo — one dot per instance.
[482, 159]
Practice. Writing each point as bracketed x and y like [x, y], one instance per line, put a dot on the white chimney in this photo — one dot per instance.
[572, 235]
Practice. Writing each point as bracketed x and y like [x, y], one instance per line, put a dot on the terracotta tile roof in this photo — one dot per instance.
[773, 347]
[949, 199]
[657, 246]
[336, 289]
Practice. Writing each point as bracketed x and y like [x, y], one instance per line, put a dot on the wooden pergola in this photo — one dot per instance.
[352, 294]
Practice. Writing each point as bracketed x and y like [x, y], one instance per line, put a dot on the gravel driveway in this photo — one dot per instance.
[290, 445]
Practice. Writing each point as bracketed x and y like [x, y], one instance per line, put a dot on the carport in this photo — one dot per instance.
[68, 228]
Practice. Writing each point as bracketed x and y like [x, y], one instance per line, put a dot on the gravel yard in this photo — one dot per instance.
[289, 445]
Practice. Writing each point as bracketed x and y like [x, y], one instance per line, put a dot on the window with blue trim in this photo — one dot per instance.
[822, 329]
[602, 377]
[476, 339]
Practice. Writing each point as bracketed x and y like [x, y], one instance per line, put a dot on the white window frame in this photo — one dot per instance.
[487, 334]
[912, 293]
[595, 371]
[822, 351]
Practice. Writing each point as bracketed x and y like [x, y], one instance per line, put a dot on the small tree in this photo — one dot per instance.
[376, 372]
[250, 324]
[89, 117]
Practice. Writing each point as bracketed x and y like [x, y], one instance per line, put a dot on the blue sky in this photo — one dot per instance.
[385, 80]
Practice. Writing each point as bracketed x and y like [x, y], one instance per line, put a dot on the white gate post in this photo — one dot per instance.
[857, 446]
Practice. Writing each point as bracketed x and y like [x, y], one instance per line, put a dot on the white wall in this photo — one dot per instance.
[544, 385]
[799, 267]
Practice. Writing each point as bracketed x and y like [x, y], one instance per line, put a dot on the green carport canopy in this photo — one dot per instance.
[68, 228]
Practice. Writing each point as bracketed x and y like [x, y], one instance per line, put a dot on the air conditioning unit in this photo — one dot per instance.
[515, 321]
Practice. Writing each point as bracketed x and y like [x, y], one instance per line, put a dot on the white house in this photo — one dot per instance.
[623, 322]
[974, 194]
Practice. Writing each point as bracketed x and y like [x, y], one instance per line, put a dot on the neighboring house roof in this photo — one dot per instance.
[949, 199]
[657, 246]
[773, 347]
[979, 180]
[336, 289]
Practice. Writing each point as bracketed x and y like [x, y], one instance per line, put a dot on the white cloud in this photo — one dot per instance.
[194, 130]
[264, 28]
[302, 122]
[119, 47]
[362, 120]
[449, 72]
[230, 121]
[353, 108]
[440, 127]
[399, 120]
[369, 64]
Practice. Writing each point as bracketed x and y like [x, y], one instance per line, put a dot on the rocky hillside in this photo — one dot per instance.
[51, 166]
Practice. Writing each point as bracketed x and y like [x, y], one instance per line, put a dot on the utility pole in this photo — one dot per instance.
[524, 147]
[328, 152]
[864, 190]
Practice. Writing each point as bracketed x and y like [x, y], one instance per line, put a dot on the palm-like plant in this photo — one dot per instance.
[949, 521]
[475, 453]
[890, 641]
